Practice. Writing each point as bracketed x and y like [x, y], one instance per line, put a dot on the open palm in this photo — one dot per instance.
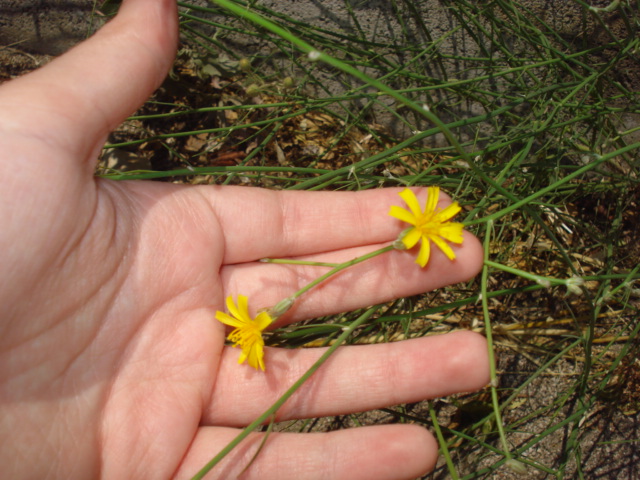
[111, 362]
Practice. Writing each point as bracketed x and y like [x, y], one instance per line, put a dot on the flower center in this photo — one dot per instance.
[428, 226]
[247, 335]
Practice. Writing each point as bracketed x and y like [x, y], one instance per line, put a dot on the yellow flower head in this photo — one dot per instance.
[432, 224]
[247, 332]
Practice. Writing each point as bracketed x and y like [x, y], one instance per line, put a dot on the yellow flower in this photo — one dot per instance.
[247, 333]
[432, 224]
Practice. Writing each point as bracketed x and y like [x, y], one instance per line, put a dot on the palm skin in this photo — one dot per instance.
[111, 362]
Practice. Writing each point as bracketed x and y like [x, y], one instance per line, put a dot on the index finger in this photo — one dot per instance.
[259, 223]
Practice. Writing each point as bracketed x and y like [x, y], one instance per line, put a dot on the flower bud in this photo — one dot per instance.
[253, 90]
[398, 244]
[244, 64]
[314, 55]
[544, 282]
[516, 466]
[573, 285]
[282, 307]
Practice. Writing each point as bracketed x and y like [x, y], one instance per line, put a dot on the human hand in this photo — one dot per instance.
[111, 362]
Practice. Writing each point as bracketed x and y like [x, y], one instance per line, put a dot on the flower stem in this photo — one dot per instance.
[489, 335]
[274, 408]
[444, 449]
[287, 261]
[599, 159]
[342, 266]
[315, 55]
[544, 281]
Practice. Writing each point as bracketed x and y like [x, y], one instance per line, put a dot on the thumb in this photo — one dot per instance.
[78, 98]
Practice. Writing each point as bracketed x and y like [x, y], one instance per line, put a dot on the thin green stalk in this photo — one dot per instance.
[489, 334]
[443, 443]
[265, 437]
[581, 171]
[151, 174]
[316, 55]
[543, 281]
[339, 268]
[276, 406]
[288, 261]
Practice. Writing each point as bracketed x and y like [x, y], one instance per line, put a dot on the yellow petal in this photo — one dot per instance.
[444, 246]
[242, 357]
[452, 232]
[448, 213]
[433, 193]
[254, 354]
[412, 202]
[243, 308]
[411, 238]
[263, 320]
[402, 214]
[425, 252]
[231, 307]
[228, 320]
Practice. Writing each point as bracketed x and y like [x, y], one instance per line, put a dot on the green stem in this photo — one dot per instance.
[339, 268]
[544, 281]
[316, 55]
[276, 406]
[543, 191]
[489, 335]
[150, 174]
[288, 261]
[443, 443]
